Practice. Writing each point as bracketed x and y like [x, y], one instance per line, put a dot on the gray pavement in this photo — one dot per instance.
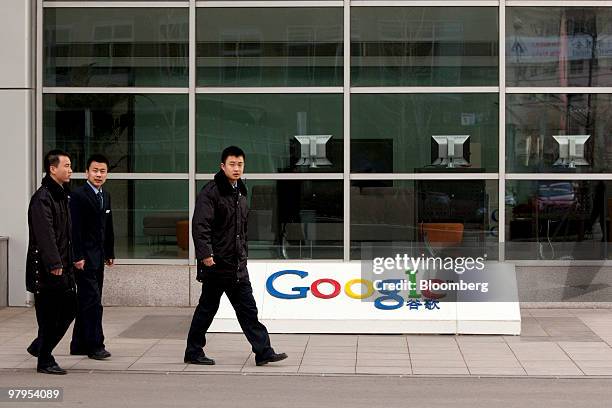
[572, 343]
[129, 390]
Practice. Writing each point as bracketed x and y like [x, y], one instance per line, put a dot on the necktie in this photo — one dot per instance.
[100, 201]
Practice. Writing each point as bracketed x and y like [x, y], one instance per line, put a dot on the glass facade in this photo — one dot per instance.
[369, 123]
[400, 133]
[138, 133]
[558, 219]
[559, 46]
[267, 126]
[540, 129]
[269, 46]
[116, 47]
[424, 46]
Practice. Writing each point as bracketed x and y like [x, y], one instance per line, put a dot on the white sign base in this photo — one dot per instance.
[344, 314]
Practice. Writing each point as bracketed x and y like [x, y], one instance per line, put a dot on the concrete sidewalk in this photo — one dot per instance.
[554, 343]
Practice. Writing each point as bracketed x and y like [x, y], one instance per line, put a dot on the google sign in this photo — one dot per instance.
[385, 294]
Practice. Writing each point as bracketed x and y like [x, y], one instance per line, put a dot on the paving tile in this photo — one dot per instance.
[337, 362]
[597, 370]
[213, 368]
[597, 356]
[271, 368]
[331, 356]
[382, 370]
[506, 363]
[157, 367]
[531, 365]
[311, 369]
[593, 363]
[501, 371]
[479, 339]
[437, 363]
[440, 370]
[385, 363]
[554, 371]
[384, 356]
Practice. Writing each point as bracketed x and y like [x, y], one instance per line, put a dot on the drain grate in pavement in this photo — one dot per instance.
[158, 327]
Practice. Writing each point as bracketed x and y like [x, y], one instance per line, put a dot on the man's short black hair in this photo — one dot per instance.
[232, 151]
[98, 158]
[52, 158]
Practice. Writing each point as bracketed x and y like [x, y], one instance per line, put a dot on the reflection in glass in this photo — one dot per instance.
[558, 132]
[294, 219]
[558, 46]
[116, 46]
[394, 133]
[435, 217]
[138, 133]
[424, 46]
[266, 126]
[150, 218]
[299, 46]
[558, 219]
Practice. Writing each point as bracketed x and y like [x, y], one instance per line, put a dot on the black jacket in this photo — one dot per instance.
[219, 228]
[49, 244]
[92, 228]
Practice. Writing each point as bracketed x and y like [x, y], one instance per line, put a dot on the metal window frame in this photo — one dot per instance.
[192, 90]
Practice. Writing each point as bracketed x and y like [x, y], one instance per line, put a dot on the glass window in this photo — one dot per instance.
[558, 46]
[424, 133]
[275, 131]
[294, 219]
[424, 46]
[558, 133]
[298, 46]
[434, 217]
[116, 46]
[558, 219]
[150, 218]
[138, 133]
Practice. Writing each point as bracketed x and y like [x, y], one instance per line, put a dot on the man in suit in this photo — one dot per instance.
[220, 237]
[49, 271]
[93, 247]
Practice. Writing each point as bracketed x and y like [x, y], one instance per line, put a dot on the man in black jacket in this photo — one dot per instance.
[49, 273]
[93, 247]
[219, 228]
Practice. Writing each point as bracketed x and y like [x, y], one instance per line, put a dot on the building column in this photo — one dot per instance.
[17, 140]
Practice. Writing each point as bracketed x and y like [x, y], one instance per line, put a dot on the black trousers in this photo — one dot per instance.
[240, 294]
[87, 335]
[55, 311]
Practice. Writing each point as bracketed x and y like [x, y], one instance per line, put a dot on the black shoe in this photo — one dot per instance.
[78, 353]
[33, 352]
[52, 369]
[272, 359]
[99, 355]
[201, 360]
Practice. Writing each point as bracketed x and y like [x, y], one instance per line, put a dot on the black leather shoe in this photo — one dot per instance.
[201, 360]
[53, 369]
[78, 353]
[271, 359]
[99, 355]
[33, 352]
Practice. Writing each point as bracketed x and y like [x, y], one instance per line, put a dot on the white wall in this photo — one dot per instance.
[16, 135]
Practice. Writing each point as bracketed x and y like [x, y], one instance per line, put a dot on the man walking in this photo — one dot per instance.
[49, 273]
[219, 228]
[93, 247]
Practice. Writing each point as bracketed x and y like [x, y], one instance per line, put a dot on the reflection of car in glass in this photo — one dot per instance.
[559, 195]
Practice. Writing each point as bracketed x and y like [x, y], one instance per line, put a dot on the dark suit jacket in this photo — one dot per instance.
[92, 229]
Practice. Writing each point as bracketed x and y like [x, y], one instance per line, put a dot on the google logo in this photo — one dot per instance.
[384, 299]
